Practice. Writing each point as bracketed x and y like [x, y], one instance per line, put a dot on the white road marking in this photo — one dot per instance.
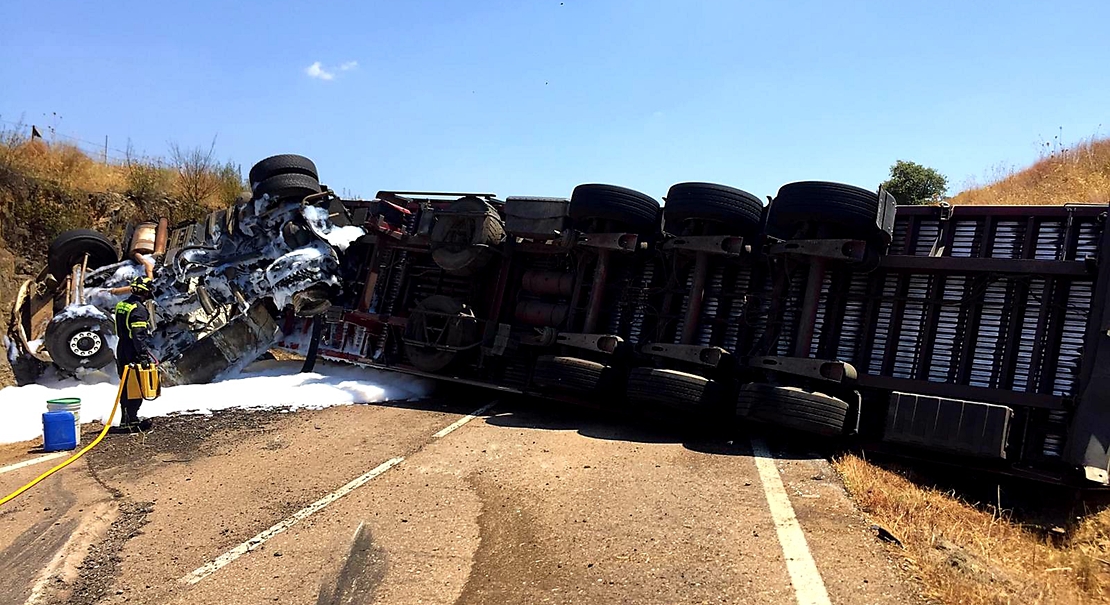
[809, 588]
[218, 563]
[465, 419]
[215, 565]
[19, 465]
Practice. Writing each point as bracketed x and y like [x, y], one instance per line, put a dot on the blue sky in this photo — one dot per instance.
[533, 97]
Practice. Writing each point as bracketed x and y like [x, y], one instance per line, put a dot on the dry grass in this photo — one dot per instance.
[965, 555]
[49, 187]
[62, 165]
[190, 175]
[1080, 174]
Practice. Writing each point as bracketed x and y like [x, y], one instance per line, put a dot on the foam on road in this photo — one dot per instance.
[263, 385]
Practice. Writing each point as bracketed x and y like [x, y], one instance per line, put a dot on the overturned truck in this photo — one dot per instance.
[971, 335]
[221, 284]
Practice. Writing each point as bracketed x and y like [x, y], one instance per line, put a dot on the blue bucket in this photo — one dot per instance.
[58, 431]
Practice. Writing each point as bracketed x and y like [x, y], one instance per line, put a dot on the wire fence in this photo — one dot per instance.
[101, 151]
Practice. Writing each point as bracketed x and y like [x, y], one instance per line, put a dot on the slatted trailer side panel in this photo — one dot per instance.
[977, 304]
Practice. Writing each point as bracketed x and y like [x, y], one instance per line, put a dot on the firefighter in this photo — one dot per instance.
[133, 331]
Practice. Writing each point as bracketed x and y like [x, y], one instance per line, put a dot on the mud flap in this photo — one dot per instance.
[313, 345]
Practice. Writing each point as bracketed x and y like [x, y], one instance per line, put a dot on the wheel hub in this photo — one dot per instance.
[85, 344]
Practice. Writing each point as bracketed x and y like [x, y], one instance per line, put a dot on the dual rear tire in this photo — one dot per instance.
[720, 209]
[828, 210]
[284, 176]
[793, 408]
[598, 208]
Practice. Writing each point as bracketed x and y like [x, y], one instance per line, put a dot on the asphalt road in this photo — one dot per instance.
[526, 503]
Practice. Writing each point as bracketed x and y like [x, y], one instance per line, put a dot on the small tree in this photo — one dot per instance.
[147, 179]
[230, 179]
[196, 179]
[912, 183]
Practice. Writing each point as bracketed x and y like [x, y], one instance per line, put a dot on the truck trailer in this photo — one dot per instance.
[975, 335]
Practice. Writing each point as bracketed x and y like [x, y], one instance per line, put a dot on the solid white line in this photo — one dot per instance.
[208, 569]
[465, 419]
[19, 465]
[809, 588]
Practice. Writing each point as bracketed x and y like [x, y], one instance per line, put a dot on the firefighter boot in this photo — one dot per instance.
[125, 420]
[137, 424]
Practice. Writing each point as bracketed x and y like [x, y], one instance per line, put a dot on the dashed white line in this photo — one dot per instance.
[215, 565]
[465, 419]
[25, 463]
[809, 588]
[218, 563]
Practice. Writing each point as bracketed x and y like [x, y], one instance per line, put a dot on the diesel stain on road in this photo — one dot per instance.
[362, 572]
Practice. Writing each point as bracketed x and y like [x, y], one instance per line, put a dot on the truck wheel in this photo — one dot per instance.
[288, 186]
[851, 211]
[439, 321]
[568, 374]
[69, 249]
[79, 342]
[635, 211]
[464, 243]
[738, 212]
[667, 387]
[794, 408]
[285, 163]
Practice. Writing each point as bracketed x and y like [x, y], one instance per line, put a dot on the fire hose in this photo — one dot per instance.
[107, 425]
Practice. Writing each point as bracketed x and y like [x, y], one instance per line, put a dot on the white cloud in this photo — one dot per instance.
[348, 66]
[317, 71]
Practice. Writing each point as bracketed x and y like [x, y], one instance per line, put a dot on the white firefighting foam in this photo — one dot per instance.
[263, 385]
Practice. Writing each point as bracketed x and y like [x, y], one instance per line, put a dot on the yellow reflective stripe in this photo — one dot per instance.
[127, 308]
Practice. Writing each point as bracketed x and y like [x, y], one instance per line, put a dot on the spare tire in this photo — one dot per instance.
[80, 342]
[794, 408]
[285, 163]
[287, 186]
[849, 211]
[739, 212]
[439, 321]
[465, 237]
[635, 211]
[70, 248]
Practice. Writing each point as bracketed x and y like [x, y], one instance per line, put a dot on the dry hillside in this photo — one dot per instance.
[1080, 174]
